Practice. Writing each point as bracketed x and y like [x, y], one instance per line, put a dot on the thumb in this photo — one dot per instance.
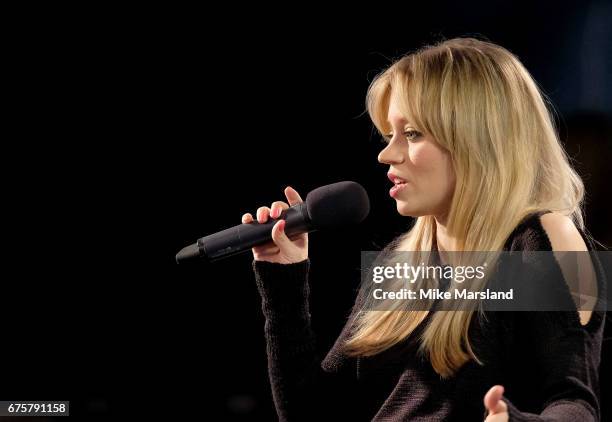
[293, 197]
[493, 400]
[280, 237]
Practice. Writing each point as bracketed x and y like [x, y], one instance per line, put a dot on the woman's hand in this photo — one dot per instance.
[282, 249]
[497, 408]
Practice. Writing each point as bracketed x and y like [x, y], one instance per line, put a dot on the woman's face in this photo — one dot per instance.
[425, 166]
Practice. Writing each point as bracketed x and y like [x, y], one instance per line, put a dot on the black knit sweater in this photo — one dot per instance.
[547, 361]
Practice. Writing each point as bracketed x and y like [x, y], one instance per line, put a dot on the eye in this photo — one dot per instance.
[412, 135]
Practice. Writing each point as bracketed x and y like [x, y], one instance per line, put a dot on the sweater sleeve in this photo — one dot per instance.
[300, 387]
[567, 355]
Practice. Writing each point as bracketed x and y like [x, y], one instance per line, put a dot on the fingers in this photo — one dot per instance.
[274, 211]
[292, 196]
[280, 237]
[499, 417]
[493, 400]
[277, 208]
[262, 214]
[279, 241]
[282, 248]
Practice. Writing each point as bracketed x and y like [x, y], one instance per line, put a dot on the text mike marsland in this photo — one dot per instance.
[334, 205]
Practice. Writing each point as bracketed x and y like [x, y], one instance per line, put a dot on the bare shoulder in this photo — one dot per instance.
[562, 233]
[564, 236]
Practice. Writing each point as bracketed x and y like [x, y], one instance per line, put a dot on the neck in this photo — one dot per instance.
[444, 239]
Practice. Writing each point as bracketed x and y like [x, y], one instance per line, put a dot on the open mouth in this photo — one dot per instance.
[397, 188]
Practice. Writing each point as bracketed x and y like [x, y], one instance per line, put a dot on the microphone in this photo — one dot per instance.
[337, 204]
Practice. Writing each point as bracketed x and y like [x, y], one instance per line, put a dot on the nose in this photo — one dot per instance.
[391, 154]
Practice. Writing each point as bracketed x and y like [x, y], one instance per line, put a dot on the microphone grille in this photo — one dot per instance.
[336, 204]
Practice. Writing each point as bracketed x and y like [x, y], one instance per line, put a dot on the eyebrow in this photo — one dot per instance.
[402, 118]
[405, 123]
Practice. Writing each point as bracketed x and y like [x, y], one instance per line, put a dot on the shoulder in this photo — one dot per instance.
[546, 231]
[562, 232]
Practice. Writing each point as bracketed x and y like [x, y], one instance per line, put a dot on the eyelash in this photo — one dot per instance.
[414, 133]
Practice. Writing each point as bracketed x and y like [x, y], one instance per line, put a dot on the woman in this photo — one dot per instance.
[474, 156]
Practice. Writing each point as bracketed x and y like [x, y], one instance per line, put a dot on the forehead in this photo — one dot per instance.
[394, 114]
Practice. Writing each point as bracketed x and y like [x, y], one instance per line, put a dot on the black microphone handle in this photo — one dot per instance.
[243, 237]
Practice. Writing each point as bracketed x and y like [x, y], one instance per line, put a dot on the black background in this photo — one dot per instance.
[134, 132]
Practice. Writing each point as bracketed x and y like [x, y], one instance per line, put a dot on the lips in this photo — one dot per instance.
[396, 179]
[398, 184]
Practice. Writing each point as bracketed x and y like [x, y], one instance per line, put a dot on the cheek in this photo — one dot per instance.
[432, 167]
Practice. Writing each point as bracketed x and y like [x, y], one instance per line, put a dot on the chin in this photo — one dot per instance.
[404, 210]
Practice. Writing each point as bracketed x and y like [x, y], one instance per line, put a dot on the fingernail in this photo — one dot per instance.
[281, 226]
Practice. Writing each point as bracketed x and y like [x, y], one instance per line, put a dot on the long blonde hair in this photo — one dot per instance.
[479, 102]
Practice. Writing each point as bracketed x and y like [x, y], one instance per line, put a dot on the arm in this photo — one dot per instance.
[300, 387]
[566, 346]
[568, 355]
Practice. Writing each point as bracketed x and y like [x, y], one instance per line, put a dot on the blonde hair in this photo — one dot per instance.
[478, 102]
